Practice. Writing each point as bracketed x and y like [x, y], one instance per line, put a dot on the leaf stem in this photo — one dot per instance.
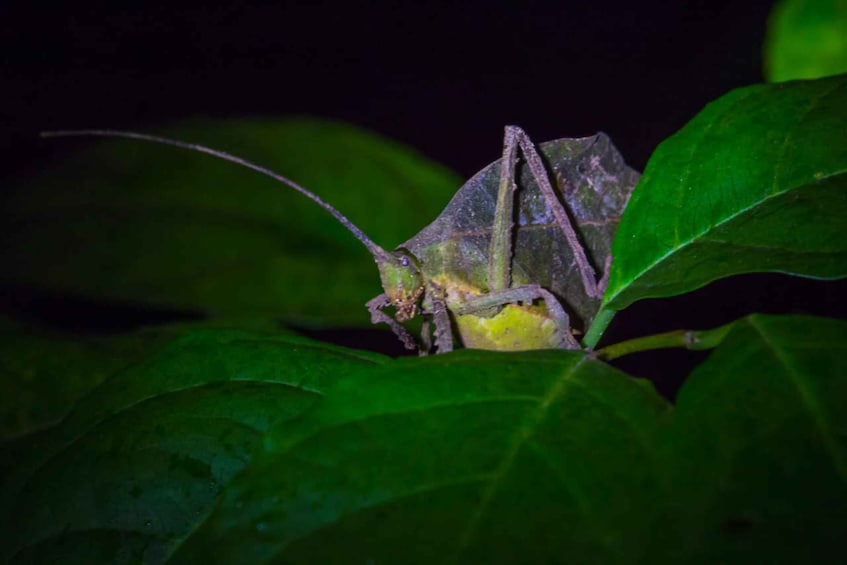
[694, 340]
[598, 326]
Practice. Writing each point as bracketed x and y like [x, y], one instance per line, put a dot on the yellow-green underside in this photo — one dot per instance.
[514, 328]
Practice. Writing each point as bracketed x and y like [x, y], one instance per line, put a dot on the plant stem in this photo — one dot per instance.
[694, 340]
[595, 331]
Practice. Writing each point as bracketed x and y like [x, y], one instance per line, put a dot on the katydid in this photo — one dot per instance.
[503, 267]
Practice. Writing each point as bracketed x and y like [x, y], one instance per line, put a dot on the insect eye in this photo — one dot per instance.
[404, 261]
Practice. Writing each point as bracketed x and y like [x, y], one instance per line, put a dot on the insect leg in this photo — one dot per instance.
[436, 320]
[539, 173]
[426, 335]
[500, 247]
[443, 327]
[525, 293]
[375, 306]
[604, 280]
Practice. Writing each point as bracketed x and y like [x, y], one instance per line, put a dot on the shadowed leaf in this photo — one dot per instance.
[470, 457]
[806, 39]
[758, 448]
[127, 220]
[140, 461]
[43, 375]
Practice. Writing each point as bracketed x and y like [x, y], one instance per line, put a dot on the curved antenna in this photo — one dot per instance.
[378, 252]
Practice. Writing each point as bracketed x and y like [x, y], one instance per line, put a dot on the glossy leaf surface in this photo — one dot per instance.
[757, 181]
[128, 220]
[139, 462]
[527, 458]
[470, 457]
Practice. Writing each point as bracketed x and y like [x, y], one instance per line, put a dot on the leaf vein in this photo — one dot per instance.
[807, 397]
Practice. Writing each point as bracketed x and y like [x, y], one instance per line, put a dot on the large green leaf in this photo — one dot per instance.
[551, 457]
[758, 448]
[471, 457]
[806, 39]
[757, 181]
[134, 221]
[43, 375]
[139, 462]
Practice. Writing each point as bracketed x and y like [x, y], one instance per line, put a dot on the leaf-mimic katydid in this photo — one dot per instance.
[510, 264]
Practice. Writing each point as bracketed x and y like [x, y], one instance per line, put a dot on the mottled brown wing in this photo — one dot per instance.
[594, 185]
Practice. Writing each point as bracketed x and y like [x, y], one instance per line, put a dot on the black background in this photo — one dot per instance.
[444, 79]
[441, 78]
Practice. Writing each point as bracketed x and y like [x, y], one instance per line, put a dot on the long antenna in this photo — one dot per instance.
[377, 251]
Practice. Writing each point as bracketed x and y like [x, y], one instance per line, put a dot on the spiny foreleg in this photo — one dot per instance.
[375, 306]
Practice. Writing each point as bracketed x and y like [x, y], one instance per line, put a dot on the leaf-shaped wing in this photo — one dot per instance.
[594, 185]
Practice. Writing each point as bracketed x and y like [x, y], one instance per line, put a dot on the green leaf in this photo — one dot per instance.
[206, 449]
[484, 457]
[140, 461]
[127, 220]
[758, 448]
[755, 182]
[42, 375]
[470, 457]
[806, 39]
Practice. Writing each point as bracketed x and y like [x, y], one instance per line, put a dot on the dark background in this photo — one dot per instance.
[441, 78]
